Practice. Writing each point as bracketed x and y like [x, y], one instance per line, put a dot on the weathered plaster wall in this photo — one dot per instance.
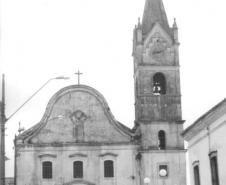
[175, 160]
[173, 139]
[77, 125]
[97, 127]
[164, 107]
[63, 158]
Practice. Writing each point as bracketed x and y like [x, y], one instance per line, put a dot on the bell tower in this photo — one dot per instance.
[158, 116]
[156, 66]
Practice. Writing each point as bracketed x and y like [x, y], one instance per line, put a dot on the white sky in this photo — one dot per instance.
[41, 39]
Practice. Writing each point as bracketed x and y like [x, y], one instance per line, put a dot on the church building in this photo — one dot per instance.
[79, 142]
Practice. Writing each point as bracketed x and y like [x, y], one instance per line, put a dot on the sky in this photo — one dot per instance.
[42, 39]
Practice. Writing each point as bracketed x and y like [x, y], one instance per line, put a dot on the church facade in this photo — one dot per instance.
[78, 140]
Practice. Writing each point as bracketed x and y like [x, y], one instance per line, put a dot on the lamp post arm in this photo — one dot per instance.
[7, 119]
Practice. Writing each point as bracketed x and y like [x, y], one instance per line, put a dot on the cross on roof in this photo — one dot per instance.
[78, 73]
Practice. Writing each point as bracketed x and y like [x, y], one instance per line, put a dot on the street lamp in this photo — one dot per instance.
[56, 78]
[4, 119]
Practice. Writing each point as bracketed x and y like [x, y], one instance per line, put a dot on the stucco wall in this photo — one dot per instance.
[77, 125]
[97, 127]
[201, 145]
[93, 158]
[9, 181]
[175, 160]
[173, 138]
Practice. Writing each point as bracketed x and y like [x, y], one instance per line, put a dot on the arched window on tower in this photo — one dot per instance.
[162, 140]
[159, 84]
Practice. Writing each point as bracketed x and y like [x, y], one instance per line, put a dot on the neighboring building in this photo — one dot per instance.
[207, 147]
[78, 140]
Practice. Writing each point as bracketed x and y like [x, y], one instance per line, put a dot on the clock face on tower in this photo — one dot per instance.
[158, 48]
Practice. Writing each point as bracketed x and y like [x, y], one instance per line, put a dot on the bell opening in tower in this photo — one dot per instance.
[159, 84]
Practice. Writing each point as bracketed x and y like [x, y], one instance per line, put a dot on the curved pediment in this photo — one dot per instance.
[79, 182]
[77, 114]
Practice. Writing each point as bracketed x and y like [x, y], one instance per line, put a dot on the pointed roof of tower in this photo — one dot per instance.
[154, 11]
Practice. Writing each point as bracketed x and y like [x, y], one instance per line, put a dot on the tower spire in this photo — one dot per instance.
[154, 12]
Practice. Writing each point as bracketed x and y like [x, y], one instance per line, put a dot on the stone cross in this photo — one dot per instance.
[78, 73]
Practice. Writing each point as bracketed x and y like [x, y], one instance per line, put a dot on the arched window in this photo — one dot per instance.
[162, 140]
[78, 169]
[47, 170]
[196, 175]
[108, 168]
[159, 84]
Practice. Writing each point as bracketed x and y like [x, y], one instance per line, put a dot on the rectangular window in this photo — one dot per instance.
[47, 170]
[196, 175]
[108, 168]
[214, 168]
[78, 169]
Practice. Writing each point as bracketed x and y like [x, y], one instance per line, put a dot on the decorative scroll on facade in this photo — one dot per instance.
[78, 119]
